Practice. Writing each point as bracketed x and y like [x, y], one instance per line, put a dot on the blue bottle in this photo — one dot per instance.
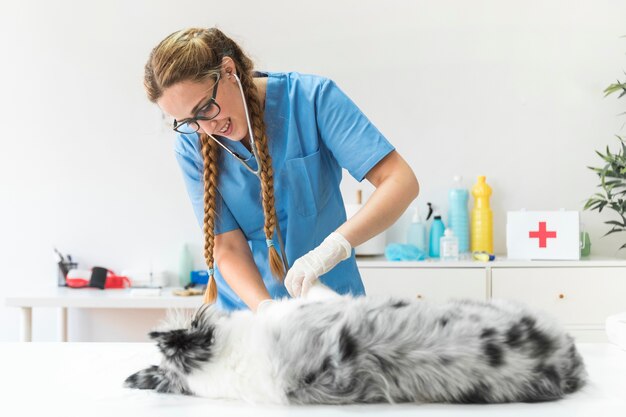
[458, 214]
[437, 230]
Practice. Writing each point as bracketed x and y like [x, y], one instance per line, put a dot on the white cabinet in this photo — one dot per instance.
[579, 294]
[580, 298]
[433, 284]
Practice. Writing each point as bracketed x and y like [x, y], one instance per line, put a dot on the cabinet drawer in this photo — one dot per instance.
[581, 296]
[426, 283]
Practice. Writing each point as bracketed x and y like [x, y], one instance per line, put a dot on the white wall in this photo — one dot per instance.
[509, 89]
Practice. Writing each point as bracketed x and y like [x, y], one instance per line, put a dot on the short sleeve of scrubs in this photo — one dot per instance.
[354, 141]
[192, 171]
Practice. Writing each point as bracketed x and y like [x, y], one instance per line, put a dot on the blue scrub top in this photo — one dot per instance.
[313, 131]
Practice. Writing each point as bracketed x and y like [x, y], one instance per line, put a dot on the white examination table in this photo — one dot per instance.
[85, 379]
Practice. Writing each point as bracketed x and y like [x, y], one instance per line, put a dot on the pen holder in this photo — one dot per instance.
[63, 269]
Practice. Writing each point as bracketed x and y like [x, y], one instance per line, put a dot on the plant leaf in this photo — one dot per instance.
[612, 231]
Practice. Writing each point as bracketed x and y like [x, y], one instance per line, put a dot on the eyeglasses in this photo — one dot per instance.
[207, 112]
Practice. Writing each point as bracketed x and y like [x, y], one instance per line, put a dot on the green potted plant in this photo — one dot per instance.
[612, 177]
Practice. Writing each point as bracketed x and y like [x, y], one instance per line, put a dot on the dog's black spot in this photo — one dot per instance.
[526, 335]
[549, 373]
[313, 376]
[478, 394]
[488, 332]
[347, 345]
[443, 321]
[541, 344]
[327, 364]
[494, 354]
[400, 304]
[309, 378]
[528, 321]
[514, 336]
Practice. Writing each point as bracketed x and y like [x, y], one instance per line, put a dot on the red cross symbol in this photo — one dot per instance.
[542, 234]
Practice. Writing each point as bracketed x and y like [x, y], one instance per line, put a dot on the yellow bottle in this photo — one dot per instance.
[481, 230]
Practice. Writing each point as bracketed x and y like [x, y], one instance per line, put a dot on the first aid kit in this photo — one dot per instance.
[543, 235]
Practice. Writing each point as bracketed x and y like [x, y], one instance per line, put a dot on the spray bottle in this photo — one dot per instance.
[436, 232]
[416, 235]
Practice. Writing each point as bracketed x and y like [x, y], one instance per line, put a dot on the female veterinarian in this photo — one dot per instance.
[261, 155]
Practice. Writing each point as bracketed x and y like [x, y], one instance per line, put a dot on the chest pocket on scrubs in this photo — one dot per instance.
[308, 183]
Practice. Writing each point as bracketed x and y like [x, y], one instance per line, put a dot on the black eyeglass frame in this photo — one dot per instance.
[193, 121]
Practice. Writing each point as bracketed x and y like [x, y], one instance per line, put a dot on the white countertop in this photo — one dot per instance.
[500, 262]
[75, 379]
[97, 298]
[122, 298]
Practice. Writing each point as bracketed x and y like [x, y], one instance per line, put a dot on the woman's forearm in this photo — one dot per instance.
[396, 187]
[237, 266]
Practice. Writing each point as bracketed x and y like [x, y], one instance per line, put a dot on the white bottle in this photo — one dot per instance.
[416, 235]
[449, 246]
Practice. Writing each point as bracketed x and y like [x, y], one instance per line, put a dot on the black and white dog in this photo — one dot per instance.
[330, 349]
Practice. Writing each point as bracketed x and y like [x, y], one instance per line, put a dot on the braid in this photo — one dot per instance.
[267, 171]
[209, 155]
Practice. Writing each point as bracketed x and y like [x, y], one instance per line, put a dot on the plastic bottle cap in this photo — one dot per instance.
[437, 217]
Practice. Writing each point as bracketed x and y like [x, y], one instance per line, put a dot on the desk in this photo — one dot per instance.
[71, 379]
[64, 298]
[580, 294]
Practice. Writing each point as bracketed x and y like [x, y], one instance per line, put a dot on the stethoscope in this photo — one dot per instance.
[256, 171]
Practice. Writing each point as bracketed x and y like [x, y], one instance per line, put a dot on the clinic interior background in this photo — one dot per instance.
[511, 90]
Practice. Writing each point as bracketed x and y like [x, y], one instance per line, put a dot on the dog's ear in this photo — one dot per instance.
[158, 336]
[149, 378]
[171, 342]
[186, 349]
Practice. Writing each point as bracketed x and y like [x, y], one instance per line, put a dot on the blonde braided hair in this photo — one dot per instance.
[196, 55]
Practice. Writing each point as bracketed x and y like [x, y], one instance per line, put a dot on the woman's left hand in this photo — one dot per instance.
[306, 269]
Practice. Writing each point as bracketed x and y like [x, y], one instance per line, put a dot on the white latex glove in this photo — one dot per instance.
[264, 305]
[306, 269]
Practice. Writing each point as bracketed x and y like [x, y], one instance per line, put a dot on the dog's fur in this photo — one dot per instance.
[327, 349]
